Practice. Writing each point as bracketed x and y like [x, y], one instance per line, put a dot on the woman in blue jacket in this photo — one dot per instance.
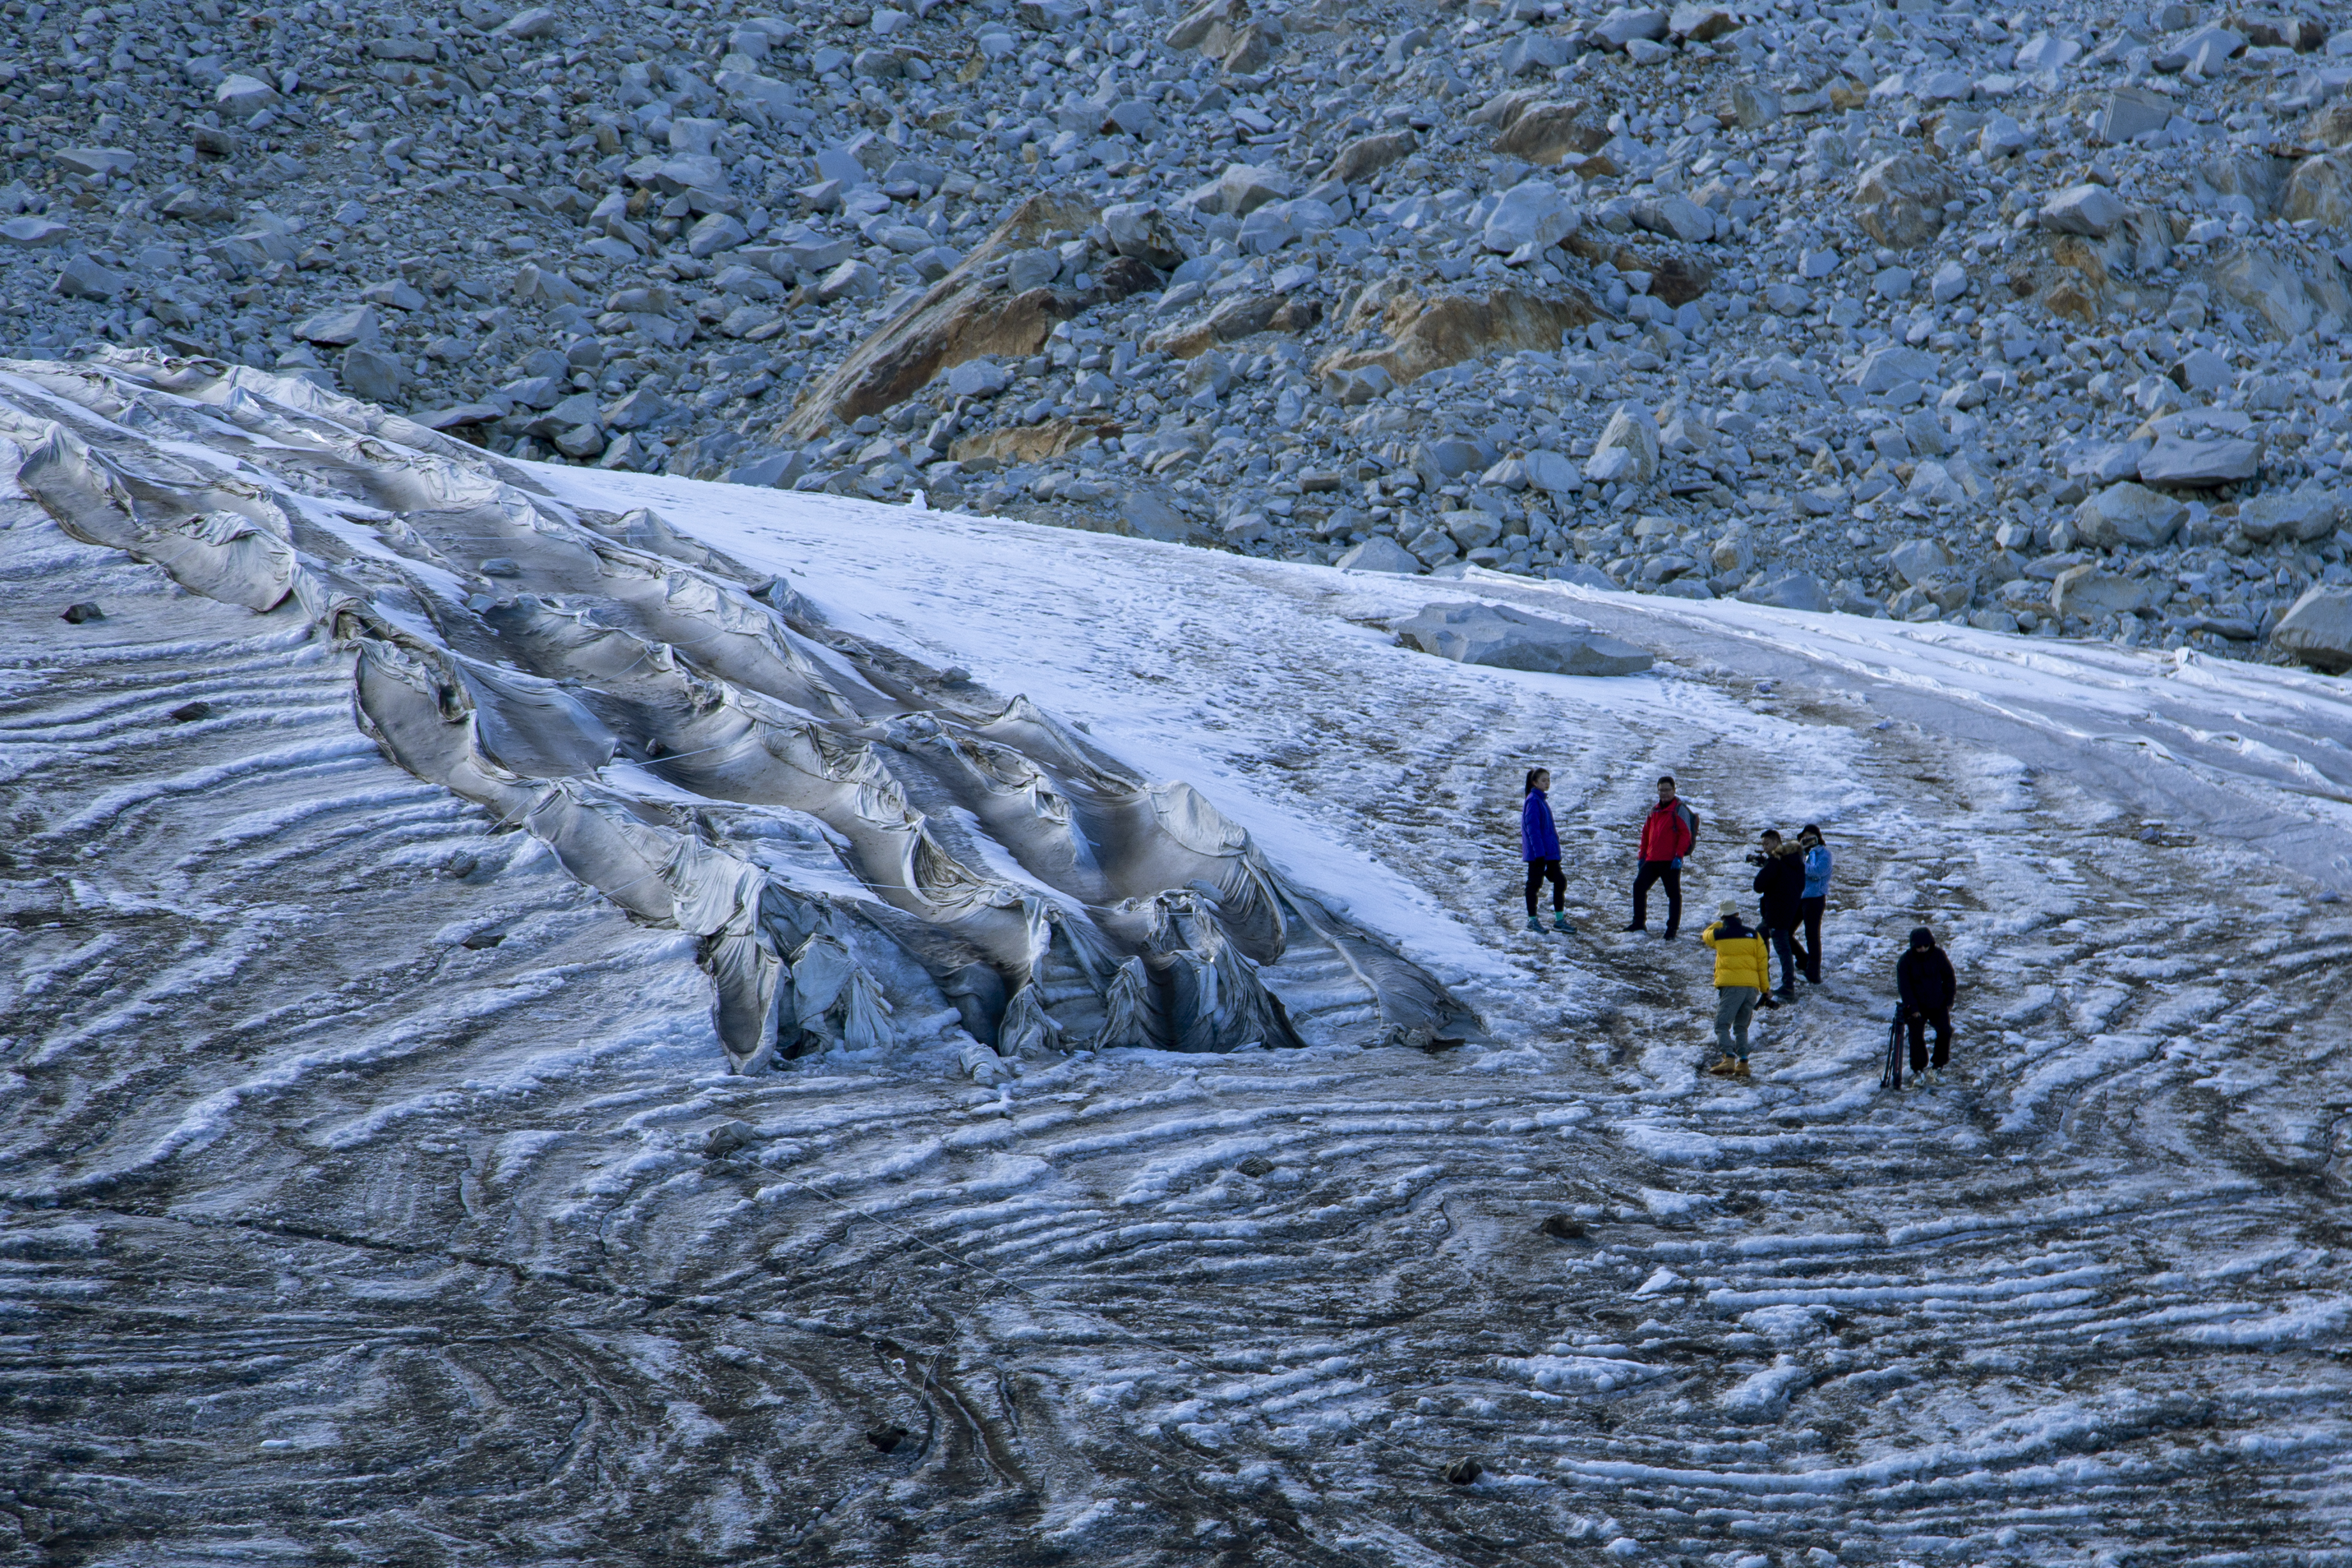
[1539, 847]
[1815, 899]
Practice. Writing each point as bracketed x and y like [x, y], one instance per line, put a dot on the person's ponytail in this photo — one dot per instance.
[1529, 787]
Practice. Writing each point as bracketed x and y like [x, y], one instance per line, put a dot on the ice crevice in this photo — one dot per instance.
[688, 736]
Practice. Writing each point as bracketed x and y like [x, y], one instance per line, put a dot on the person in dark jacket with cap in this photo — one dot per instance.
[1779, 900]
[1924, 981]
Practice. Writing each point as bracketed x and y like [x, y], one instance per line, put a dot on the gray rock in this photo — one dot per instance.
[34, 233]
[1553, 473]
[1792, 591]
[1240, 190]
[979, 378]
[1951, 281]
[2200, 462]
[2128, 112]
[1635, 433]
[1027, 269]
[851, 277]
[1623, 25]
[104, 161]
[2083, 209]
[1140, 230]
[2090, 591]
[1148, 515]
[2318, 630]
[718, 232]
[370, 376]
[1503, 639]
[340, 325]
[2128, 516]
[536, 22]
[1917, 560]
[82, 279]
[241, 97]
[1359, 386]
[635, 411]
[1378, 554]
[1677, 216]
[394, 294]
[1888, 365]
[1532, 213]
[771, 470]
[2304, 515]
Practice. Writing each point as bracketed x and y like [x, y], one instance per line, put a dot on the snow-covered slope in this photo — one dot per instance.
[374, 1189]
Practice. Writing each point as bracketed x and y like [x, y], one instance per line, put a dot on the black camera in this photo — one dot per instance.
[1757, 857]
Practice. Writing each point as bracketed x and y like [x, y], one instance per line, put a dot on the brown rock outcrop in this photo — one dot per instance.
[1430, 335]
[964, 316]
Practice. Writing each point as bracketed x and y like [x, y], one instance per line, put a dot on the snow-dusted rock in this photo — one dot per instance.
[1505, 638]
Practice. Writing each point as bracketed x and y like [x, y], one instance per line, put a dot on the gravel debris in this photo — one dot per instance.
[1757, 300]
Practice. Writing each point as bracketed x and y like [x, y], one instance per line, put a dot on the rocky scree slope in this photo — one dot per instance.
[2029, 322]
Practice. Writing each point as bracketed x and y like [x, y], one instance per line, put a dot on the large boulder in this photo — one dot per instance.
[2303, 515]
[2129, 516]
[1899, 200]
[1543, 133]
[2292, 300]
[1532, 213]
[1378, 554]
[2091, 591]
[2318, 630]
[1509, 640]
[1917, 560]
[2086, 209]
[1624, 24]
[1633, 432]
[1140, 230]
[1792, 591]
[965, 315]
[1240, 190]
[2320, 191]
[1431, 334]
[2200, 462]
[1368, 155]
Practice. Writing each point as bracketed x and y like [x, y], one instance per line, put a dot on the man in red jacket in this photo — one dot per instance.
[1666, 837]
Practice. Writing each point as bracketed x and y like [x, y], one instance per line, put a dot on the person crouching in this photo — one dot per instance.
[1742, 973]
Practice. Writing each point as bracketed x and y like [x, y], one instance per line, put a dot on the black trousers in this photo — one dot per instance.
[1916, 1020]
[1809, 911]
[1536, 871]
[1669, 873]
[1784, 942]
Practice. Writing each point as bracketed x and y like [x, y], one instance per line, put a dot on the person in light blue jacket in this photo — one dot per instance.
[1815, 899]
[1539, 847]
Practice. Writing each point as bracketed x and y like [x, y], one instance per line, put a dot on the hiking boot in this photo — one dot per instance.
[1637, 925]
[1727, 1067]
[1739, 1069]
[1670, 933]
[1767, 1001]
[1560, 920]
[1534, 922]
[1786, 993]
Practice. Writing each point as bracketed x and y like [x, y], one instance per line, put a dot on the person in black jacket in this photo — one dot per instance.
[1924, 978]
[1780, 897]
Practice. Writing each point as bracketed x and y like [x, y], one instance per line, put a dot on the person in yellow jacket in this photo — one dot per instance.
[1742, 973]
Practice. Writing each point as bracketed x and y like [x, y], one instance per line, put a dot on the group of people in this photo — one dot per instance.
[1791, 885]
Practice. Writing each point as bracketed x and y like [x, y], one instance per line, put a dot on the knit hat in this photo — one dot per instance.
[1922, 937]
[1727, 909]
